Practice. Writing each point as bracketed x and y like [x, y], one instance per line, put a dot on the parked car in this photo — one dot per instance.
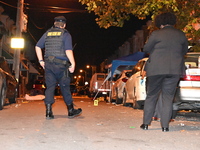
[83, 90]
[118, 84]
[73, 89]
[135, 88]
[187, 96]
[38, 87]
[57, 91]
[99, 87]
[188, 92]
[8, 84]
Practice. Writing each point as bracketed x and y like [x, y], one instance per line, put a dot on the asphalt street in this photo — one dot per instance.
[103, 127]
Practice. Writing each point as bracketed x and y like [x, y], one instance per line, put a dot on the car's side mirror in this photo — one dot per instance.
[128, 74]
[116, 77]
[143, 74]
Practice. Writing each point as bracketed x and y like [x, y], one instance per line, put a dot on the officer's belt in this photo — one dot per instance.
[56, 60]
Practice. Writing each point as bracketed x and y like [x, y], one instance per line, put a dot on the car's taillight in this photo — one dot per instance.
[96, 85]
[33, 86]
[191, 78]
[124, 79]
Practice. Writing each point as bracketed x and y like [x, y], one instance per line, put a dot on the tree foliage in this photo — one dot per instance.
[116, 12]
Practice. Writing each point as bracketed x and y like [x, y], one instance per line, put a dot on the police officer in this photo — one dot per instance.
[58, 62]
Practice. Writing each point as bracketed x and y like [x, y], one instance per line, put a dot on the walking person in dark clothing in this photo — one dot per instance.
[58, 62]
[166, 48]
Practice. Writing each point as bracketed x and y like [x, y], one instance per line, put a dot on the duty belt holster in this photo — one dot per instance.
[64, 62]
[56, 60]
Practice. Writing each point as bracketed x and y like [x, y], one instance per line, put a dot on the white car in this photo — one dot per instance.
[135, 87]
[188, 93]
[118, 86]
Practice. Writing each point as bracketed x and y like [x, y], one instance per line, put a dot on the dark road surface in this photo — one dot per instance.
[103, 127]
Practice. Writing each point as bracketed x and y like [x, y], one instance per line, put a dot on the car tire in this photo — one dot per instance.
[177, 101]
[3, 95]
[112, 99]
[118, 100]
[177, 96]
[13, 99]
[135, 103]
[89, 94]
[124, 97]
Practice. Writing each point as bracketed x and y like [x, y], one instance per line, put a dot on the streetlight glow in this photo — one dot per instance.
[17, 43]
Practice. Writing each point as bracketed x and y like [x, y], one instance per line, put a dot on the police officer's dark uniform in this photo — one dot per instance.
[55, 41]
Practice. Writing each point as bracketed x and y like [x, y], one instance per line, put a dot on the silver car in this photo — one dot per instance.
[118, 86]
[188, 92]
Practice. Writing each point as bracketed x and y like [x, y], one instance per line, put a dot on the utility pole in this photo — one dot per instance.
[17, 52]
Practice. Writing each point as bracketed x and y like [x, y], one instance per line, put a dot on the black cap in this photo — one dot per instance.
[60, 19]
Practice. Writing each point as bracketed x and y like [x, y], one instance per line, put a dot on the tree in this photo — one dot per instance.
[115, 12]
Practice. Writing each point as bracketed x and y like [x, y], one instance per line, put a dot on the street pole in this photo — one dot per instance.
[16, 63]
[84, 77]
[94, 68]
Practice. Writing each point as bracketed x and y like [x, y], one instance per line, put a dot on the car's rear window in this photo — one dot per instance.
[100, 77]
[191, 60]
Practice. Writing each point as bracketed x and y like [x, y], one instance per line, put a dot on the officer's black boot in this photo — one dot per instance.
[73, 112]
[49, 113]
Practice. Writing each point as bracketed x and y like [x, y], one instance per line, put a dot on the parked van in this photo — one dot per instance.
[98, 86]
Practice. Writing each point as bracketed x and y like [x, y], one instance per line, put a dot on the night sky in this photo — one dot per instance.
[93, 44]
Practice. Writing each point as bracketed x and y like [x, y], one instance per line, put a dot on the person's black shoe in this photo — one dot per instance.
[73, 112]
[165, 129]
[49, 113]
[144, 126]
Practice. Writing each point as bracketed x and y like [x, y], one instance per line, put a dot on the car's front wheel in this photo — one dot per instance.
[136, 104]
[111, 96]
[118, 100]
[3, 95]
[124, 98]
